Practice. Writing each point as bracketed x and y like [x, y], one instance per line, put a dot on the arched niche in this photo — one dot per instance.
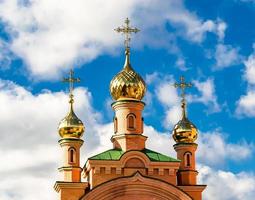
[131, 121]
[72, 155]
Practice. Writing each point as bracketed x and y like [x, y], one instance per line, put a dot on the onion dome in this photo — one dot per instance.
[127, 83]
[184, 131]
[71, 126]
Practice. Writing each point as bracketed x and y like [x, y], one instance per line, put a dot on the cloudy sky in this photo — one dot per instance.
[211, 42]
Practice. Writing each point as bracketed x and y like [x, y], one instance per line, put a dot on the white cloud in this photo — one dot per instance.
[29, 138]
[246, 103]
[207, 94]
[167, 94]
[181, 64]
[221, 28]
[196, 28]
[17, 116]
[5, 55]
[226, 56]
[152, 78]
[52, 35]
[250, 69]
[225, 185]
[172, 116]
[169, 98]
[158, 141]
[215, 150]
[21, 187]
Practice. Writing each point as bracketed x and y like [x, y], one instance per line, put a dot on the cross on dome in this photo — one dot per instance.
[183, 85]
[71, 126]
[71, 80]
[127, 31]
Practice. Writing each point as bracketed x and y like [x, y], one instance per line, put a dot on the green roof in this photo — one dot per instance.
[115, 154]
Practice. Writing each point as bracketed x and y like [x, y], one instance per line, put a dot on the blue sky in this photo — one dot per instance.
[210, 42]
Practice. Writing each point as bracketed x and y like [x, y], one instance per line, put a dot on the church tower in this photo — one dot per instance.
[185, 134]
[70, 130]
[128, 88]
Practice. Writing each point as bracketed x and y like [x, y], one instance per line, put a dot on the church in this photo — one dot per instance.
[129, 170]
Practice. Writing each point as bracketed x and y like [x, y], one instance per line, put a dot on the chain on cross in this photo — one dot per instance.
[71, 80]
[127, 31]
[183, 85]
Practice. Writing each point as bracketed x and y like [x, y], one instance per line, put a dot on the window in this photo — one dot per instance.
[72, 155]
[115, 125]
[142, 125]
[131, 121]
[187, 159]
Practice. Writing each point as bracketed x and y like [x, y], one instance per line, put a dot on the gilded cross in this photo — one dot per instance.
[71, 80]
[183, 85]
[127, 30]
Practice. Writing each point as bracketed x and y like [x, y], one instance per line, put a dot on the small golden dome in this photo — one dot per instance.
[71, 125]
[184, 131]
[127, 83]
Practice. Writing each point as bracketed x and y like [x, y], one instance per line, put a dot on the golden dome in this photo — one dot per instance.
[127, 83]
[184, 131]
[71, 125]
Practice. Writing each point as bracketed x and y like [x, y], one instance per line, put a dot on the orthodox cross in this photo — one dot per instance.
[127, 30]
[182, 85]
[71, 80]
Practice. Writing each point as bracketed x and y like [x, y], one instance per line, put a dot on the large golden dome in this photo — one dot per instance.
[71, 126]
[127, 83]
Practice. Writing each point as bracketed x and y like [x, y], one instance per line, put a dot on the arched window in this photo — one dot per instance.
[131, 121]
[142, 124]
[115, 125]
[72, 155]
[187, 159]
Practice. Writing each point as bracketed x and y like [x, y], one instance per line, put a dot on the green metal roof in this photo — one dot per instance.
[115, 154]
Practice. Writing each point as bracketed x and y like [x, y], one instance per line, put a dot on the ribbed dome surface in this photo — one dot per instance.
[127, 83]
